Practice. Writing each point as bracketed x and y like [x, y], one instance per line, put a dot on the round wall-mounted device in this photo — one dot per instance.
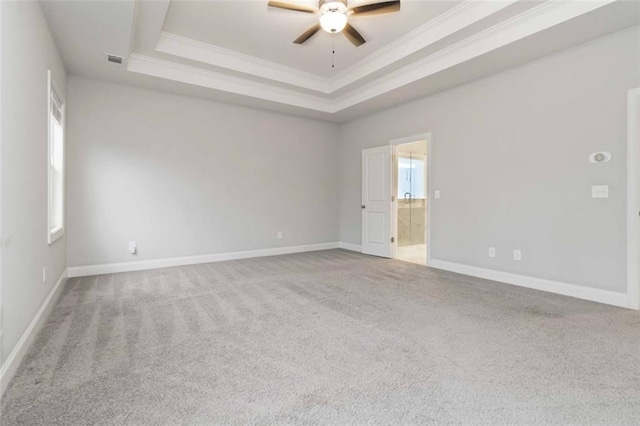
[600, 157]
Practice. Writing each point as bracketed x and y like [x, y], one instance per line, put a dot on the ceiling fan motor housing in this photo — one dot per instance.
[322, 2]
[334, 15]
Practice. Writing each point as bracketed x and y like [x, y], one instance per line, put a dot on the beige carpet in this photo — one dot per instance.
[330, 337]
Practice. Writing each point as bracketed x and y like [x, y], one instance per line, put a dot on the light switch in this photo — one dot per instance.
[517, 255]
[600, 191]
[436, 193]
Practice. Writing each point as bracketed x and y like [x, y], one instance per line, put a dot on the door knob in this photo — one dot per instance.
[363, 206]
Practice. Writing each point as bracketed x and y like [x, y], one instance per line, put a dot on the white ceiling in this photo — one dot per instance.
[252, 28]
[242, 52]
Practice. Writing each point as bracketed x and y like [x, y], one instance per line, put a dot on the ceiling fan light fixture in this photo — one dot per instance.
[333, 22]
[334, 16]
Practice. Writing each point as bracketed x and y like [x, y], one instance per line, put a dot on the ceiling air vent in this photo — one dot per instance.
[114, 59]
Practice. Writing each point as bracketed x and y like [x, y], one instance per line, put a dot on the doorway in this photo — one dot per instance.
[389, 206]
[410, 184]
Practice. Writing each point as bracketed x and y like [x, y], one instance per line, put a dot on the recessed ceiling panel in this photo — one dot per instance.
[252, 28]
[461, 41]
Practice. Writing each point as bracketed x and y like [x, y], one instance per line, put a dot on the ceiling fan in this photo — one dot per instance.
[334, 16]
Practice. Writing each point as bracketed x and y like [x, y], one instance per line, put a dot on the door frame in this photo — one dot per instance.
[633, 197]
[394, 204]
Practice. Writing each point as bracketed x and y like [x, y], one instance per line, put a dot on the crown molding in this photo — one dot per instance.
[461, 16]
[161, 68]
[537, 19]
[451, 21]
[195, 50]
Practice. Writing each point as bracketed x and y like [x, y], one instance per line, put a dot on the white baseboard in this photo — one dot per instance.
[352, 247]
[112, 268]
[573, 290]
[12, 362]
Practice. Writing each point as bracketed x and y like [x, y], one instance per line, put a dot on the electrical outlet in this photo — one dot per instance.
[517, 255]
[44, 274]
[492, 252]
[279, 235]
[133, 248]
[600, 191]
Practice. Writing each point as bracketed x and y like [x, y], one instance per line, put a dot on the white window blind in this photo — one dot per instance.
[56, 163]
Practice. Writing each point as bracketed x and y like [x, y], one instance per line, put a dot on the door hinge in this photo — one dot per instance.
[393, 240]
[393, 198]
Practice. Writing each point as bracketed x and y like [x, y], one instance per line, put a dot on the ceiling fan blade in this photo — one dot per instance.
[377, 8]
[353, 35]
[289, 6]
[307, 34]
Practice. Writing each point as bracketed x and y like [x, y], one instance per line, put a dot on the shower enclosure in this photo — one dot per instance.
[411, 198]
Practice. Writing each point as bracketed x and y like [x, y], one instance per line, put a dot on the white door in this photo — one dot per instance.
[376, 201]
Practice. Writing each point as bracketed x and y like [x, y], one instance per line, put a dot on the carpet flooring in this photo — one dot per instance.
[331, 337]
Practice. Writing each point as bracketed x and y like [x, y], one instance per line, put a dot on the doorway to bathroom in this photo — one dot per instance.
[410, 206]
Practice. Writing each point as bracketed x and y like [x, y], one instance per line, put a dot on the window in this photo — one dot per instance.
[56, 162]
[411, 178]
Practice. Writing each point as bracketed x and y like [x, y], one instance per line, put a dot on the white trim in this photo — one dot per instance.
[161, 68]
[455, 19]
[196, 50]
[534, 20]
[540, 18]
[572, 290]
[633, 197]
[55, 234]
[12, 363]
[351, 247]
[2, 243]
[112, 268]
[159, 9]
[460, 16]
[394, 207]
[52, 91]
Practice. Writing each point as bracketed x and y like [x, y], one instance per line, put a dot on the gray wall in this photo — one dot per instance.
[184, 176]
[28, 52]
[510, 158]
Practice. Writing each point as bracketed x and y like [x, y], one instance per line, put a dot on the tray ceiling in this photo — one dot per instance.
[252, 28]
[242, 51]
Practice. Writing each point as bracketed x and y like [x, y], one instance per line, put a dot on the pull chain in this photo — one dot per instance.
[333, 51]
